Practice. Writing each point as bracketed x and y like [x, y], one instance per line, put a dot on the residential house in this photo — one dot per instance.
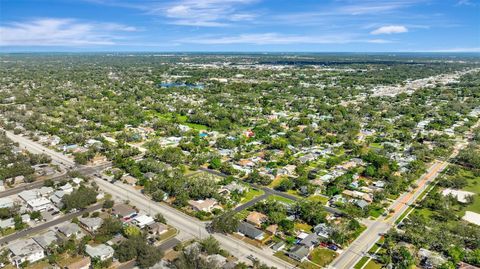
[250, 231]
[25, 250]
[91, 224]
[56, 198]
[6, 202]
[67, 188]
[157, 228]
[278, 246]
[430, 259]
[7, 224]
[39, 204]
[322, 230]
[71, 229]
[143, 220]
[310, 241]
[361, 203]
[83, 263]
[203, 205]
[256, 218]
[28, 195]
[299, 253]
[45, 240]
[102, 252]
[123, 211]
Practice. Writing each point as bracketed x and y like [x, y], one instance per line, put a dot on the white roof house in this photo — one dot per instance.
[39, 204]
[28, 195]
[102, 251]
[26, 250]
[143, 220]
[6, 202]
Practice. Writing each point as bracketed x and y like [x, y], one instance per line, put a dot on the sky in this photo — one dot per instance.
[240, 25]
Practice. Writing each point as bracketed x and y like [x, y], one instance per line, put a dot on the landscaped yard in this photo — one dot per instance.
[252, 193]
[170, 233]
[322, 199]
[322, 256]
[280, 199]
[304, 265]
[303, 226]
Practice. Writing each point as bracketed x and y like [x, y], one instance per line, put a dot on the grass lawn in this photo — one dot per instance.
[360, 263]
[281, 199]
[322, 256]
[293, 192]
[473, 186]
[376, 145]
[303, 226]
[170, 233]
[377, 212]
[304, 265]
[372, 264]
[275, 182]
[319, 198]
[252, 193]
[243, 214]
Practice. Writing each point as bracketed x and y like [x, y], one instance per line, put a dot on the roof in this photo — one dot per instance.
[123, 210]
[256, 218]
[24, 247]
[157, 227]
[7, 223]
[310, 240]
[42, 201]
[249, 230]
[202, 204]
[143, 220]
[91, 222]
[99, 250]
[6, 202]
[278, 245]
[69, 229]
[46, 239]
[299, 251]
[28, 195]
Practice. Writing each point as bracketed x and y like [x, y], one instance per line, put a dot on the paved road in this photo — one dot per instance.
[268, 191]
[47, 225]
[86, 170]
[188, 226]
[367, 239]
[34, 147]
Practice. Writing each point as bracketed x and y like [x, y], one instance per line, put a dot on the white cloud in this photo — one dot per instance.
[60, 32]
[278, 39]
[210, 13]
[390, 29]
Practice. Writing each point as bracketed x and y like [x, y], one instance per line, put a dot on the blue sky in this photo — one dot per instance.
[240, 25]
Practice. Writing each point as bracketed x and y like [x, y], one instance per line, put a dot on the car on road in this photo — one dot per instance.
[332, 247]
[252, 258]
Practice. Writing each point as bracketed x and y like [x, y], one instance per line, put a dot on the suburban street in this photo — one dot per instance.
[372, 234]
[189, 227]
[47, 225]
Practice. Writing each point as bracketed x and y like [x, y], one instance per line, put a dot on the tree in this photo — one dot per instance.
[160, 218]
[210, 245]
[131, 231]
[79, 198]
[108, 204]
[225, 223]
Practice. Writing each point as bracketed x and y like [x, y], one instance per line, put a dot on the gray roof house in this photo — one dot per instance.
[7, 223]
[6, 202]
[102, 251]
[298, 253]
[249, 230]
[310, 241]
[26, 250]
[91, 224]
[46, 239]
[322, 230]
[361, 203]
[70, 229]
